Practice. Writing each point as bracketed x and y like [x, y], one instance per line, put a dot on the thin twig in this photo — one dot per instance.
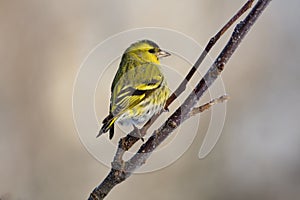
[208, 47]
[208, 105]
[121, 170]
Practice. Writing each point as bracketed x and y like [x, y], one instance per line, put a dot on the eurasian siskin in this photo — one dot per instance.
[139, 89]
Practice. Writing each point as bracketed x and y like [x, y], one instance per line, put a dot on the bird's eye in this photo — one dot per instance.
[151, 50]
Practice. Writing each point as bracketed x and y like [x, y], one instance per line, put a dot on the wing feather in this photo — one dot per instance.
[134, 86]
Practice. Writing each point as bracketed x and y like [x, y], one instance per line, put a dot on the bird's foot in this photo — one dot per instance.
[137, 133]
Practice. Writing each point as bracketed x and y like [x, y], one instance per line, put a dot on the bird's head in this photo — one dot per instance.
[147, 51]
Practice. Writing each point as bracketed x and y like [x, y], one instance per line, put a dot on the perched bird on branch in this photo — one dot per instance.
[139, 89]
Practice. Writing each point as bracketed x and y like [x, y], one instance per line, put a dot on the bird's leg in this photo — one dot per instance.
[137, 133]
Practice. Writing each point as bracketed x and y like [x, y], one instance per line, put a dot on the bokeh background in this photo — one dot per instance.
[43, 43]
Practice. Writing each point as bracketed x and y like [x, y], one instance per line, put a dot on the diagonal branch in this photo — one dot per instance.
[121, 170]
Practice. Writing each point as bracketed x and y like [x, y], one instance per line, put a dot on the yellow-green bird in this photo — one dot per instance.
[139, 89]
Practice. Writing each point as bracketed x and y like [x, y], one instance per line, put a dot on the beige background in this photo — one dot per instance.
[42, 44]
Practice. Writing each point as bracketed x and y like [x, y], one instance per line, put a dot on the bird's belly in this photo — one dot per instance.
[139, 114]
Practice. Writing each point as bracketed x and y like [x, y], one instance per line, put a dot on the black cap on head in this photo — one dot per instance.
[149, 42]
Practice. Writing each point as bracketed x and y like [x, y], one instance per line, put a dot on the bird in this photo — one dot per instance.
[139, 89]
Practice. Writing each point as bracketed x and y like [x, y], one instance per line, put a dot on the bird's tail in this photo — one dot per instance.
[108, 124]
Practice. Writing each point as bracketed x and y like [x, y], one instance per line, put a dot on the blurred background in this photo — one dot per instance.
[43, 43]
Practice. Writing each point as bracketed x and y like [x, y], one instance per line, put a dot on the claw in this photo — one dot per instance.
[166, 110]
[138, 133]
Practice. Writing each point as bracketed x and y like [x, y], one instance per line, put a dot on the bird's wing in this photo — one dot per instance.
[134, 86]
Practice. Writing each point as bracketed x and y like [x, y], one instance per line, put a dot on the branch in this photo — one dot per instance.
[121, 170]
[208, 105]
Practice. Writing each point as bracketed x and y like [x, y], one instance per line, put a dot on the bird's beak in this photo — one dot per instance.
[162, 54]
